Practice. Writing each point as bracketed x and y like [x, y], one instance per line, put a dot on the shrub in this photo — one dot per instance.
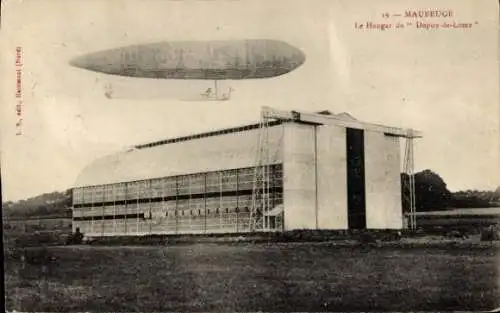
[367, 237]
[490, 234]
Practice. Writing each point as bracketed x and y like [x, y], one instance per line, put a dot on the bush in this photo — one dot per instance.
[366, 238]
[456, 234]
[490, 234]
[75, 239]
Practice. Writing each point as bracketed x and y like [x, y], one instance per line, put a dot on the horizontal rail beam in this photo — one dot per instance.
[321, 119]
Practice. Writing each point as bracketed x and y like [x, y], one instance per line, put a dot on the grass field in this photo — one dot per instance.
[253, 277]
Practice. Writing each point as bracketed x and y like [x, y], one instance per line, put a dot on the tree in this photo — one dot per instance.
[431, 192]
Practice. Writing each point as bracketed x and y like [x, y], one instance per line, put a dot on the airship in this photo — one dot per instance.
[197, 60]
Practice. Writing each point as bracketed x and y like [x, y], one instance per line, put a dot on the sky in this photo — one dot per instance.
[442, 82]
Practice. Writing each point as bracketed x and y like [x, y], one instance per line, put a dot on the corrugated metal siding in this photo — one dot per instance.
[383, 183]
[332, 177]
[228, 151]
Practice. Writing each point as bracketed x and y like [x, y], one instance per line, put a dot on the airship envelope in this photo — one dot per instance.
[212, 60]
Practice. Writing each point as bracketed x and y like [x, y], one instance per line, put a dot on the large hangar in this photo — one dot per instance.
[291, 171]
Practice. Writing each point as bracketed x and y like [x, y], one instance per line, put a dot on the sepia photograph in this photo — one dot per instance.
[250, 155]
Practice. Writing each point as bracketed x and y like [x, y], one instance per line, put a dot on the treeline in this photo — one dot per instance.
[56, 204]
[431, 193]
[476, 199]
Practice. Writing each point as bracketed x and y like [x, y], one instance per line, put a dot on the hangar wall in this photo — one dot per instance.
[212, 202]
[383, 181]
[332, 177]
[299, 182]
[315, 179]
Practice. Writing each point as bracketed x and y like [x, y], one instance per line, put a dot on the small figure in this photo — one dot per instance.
[109, 91]
[207, 93]
[227, 96]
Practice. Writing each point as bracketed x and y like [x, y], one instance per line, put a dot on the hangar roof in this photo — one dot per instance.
[219, 150]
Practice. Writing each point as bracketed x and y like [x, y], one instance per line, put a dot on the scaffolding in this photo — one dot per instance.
[259, 217]
[408, 182]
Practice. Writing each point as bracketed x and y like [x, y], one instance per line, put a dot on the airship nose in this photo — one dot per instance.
[87, 62]
[78, 62]
[94, 62]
